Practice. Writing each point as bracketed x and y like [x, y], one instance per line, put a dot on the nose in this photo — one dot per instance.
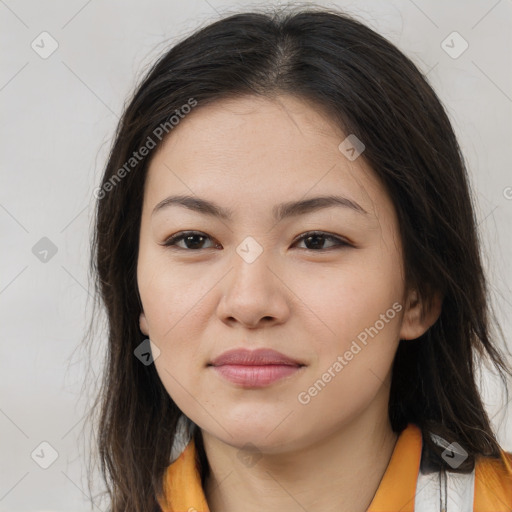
[254, 294]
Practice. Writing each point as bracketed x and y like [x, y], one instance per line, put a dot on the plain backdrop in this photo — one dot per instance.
[59, 114]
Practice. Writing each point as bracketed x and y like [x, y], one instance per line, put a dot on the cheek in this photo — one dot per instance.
[359, 312]
[354, 361]
[171, 295]
[353, 298]
[340, 396]
[177, 302]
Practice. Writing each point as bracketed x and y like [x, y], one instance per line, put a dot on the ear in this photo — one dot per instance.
[419, 315]
[143, 324]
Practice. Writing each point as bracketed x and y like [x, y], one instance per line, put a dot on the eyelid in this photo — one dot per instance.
[181, 235]
[340, 241]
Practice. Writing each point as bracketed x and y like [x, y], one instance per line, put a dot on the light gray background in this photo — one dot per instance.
[59, 116]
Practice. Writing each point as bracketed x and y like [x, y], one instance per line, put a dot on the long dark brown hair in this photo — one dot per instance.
[372, 90]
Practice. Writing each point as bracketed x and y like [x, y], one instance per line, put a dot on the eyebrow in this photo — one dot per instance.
[279, 212]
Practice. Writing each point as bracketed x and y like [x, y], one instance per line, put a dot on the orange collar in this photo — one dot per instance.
[182, 482]
[396, 490]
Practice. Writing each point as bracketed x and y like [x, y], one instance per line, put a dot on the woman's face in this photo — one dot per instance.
[333, 301]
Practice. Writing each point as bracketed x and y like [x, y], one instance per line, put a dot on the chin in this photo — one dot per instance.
[262, 437]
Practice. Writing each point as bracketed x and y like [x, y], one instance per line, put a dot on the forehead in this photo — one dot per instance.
[241, 125]
[254, 150]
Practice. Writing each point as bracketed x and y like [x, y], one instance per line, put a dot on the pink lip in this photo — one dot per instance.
[258, 357]
[254, 368]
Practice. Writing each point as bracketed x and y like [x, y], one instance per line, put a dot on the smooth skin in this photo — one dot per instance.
[307, 298]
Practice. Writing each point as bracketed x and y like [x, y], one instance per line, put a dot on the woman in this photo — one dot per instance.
[287, 252]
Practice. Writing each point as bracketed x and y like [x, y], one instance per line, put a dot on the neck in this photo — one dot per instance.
[341, 472]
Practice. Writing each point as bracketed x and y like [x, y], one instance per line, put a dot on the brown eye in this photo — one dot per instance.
[192, 240]
[196, 240]
[314, 240]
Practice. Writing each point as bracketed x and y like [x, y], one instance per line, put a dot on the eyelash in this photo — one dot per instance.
[171, 241]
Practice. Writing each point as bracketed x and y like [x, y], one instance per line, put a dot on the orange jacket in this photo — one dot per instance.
[396, 491]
